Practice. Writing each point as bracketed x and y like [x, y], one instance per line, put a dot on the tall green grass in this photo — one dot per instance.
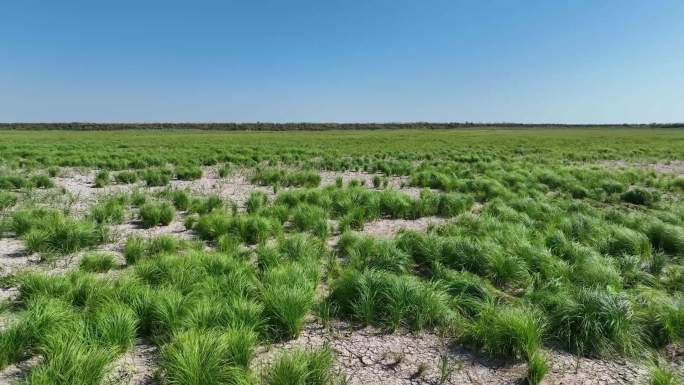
[305, 367]
[153, 214]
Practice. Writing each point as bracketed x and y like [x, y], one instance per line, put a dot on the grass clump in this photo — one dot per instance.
[662, 374]
[188, 173]
[54, 233]
[594, 321]
[249, 228]
[42, 318]
[134, 249]
[310, 218]
[138, 198]
[111, 211]
[288, 295]
[666, 238]
[205, 205]
[126, 177]
[114, 325]
[368, 253]
[257, 200]
[102, 179]
[302, 367]
[156, 177]
[162, 244]
[452, 204]
[42, 181]
[180, 199]
[507, 331]
[71, 360]
[7, 200]
[13, 182]
[537, 367]
[137, 248]
[639, 196]
[225, 170]
[153, 214]
[97, 263]
[389, 300]
[205, 357]
[279, 177]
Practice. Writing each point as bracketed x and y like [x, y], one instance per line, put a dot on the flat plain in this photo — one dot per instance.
[478, 256]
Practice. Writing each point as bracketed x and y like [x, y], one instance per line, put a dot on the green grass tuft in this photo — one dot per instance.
[301, 367]
[97, 262]
[206, 357]
[153, 214]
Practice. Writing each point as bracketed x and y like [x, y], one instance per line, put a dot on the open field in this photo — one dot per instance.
[477, 256]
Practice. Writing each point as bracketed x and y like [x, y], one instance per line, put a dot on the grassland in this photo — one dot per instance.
[394, 256]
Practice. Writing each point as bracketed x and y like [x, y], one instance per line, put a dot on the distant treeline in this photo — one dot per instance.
[308, 126]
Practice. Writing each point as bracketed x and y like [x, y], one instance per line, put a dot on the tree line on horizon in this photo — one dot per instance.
[303, 126]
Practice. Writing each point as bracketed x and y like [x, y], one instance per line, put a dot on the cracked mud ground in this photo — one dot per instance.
[372, 356]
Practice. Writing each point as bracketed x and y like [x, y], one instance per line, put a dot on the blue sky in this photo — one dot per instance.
[345, 61]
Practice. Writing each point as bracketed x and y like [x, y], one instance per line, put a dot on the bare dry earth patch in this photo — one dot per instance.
[80, 186]
[135, 367]
[394, 182]
[387, 228]
[675, 167]
[370, 356]
[234, 188]
[13, 256]
[15, 373]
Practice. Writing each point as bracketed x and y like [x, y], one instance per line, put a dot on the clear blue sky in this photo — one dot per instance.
[346, 61]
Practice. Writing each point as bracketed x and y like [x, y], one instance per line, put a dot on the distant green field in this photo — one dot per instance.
[116, 148]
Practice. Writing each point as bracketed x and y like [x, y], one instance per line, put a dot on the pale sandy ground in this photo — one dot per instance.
[675, 167]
